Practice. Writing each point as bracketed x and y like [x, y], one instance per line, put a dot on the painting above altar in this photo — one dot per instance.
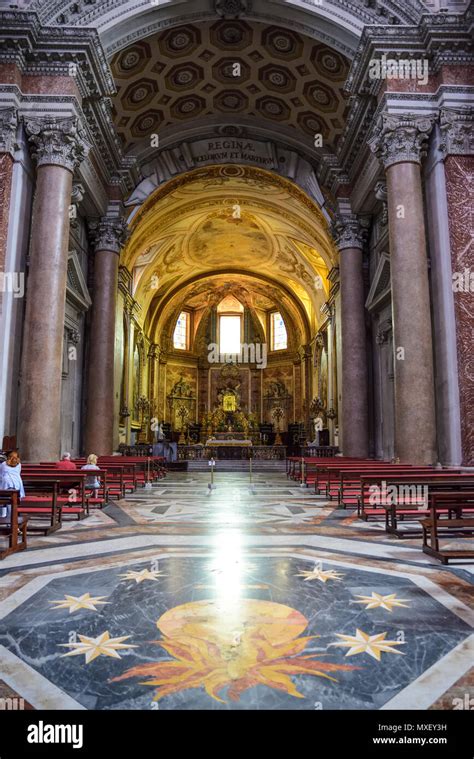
[229, 401]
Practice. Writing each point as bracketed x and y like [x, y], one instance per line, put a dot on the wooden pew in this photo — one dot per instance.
[119, 479]
[41, 502]
[12, 525]
[149, 467]
[453, 501]
[72, 492]
[312, 465]
[349, 479]
[434, 481]
[80, 476]
[409, 512]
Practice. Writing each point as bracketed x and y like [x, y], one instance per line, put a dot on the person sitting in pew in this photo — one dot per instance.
[92, 482]
[66, 462]
[10, 477]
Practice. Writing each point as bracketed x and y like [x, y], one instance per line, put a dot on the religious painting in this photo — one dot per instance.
[229, 401]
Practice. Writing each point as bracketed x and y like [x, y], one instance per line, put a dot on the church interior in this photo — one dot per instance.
[236, 285]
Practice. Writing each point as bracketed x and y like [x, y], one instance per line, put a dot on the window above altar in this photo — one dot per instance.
[229, 333]
[230, 312]
[279, 335]
[181, 332]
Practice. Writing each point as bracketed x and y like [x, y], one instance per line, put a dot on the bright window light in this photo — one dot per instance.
[181, 332]
[229, 334]
[279, 334]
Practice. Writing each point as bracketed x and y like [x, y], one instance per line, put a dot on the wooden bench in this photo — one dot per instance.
[12, 525]
[148, 468]
[119, 479]
[349, 485]
[76, 478]
[311, 464]
[383, 506]
[41, 502]
[432, 526]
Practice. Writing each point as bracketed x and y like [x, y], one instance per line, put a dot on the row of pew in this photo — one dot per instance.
[54, 495]
[412, 501]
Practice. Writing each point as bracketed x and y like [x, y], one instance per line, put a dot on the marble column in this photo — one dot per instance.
[349, 235]
[457, 145]
[109, 236]
[400, 143]
[58, 147]
[305, 355]
[8, 127]
[124, 410]
[331, 372]
[9, 280]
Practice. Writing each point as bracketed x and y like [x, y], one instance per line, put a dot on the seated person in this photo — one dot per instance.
[10, 477]
[92, 482]
[66, 462]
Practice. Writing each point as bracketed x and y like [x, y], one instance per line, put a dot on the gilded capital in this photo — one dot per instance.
[457, 131]
[8, 127]
[349, 231]
[108, 233]
[400, 139]
[57, 141]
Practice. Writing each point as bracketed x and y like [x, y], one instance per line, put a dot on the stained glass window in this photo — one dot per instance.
[180, 337]
[279, 334]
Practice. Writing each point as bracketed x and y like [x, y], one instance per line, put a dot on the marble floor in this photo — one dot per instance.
[259, 596]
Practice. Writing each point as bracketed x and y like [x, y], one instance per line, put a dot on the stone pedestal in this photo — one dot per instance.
[349, 236]
[400, 143]
[100, 396]
[58, 148]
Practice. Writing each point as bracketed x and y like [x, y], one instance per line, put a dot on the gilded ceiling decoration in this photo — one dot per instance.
[187, 73]
[212, 227]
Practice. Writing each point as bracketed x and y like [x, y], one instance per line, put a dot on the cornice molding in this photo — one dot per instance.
[443, 38]
[66, 51]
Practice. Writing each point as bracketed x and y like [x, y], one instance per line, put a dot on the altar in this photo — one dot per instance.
[228, 439]
[231, 450]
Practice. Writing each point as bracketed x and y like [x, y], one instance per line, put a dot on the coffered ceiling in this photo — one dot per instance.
[225, 71]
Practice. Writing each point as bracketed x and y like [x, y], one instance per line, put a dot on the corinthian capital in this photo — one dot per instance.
[108, 233]
[457, 131]
[57, 141]
[399, 139]
[349, 231]
[8, 126]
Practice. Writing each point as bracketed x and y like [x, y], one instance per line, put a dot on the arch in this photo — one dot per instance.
[334, 22]
[160, 313]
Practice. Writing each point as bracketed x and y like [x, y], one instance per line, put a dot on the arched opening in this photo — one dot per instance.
[223, 278]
